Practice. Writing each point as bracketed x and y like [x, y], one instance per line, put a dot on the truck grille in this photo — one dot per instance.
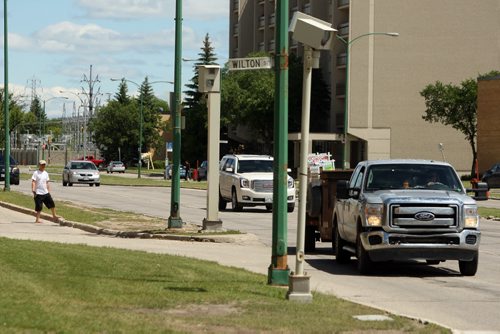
[423, 216]
[263, 186]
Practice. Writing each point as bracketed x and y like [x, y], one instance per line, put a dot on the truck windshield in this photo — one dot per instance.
[255, 166]
[412, 176]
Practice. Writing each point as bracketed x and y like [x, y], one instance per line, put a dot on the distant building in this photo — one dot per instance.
[488, 123]
[445, 40]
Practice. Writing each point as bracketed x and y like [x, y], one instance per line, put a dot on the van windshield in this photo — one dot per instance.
[255, 166]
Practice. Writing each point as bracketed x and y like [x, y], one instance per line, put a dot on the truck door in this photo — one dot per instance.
[353, 205]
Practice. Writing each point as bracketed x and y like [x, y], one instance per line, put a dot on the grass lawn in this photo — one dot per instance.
[62, 288]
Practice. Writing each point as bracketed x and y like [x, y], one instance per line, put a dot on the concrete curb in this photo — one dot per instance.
[226, 238]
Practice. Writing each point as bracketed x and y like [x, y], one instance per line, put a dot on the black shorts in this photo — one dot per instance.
[43, 199]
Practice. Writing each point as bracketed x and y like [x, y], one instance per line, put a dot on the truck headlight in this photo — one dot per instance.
[471, 217]
[373, 214]
[291, 183]
[244, 183]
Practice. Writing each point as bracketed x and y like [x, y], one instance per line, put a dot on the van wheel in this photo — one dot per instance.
[469, 268]
[234, 202]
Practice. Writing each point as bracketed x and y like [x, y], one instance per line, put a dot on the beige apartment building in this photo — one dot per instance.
[488, 123]
[445, 40]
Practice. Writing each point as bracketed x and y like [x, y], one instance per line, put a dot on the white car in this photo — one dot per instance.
[81, 171]
[115, 166]
[247, 180]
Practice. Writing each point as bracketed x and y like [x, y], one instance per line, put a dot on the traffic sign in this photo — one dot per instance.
[257, 63]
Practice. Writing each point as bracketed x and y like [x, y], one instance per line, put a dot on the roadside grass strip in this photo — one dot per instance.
[62, 288]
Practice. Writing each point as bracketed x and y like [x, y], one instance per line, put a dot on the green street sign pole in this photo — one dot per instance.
[279, 271]
[175, 221]
[6, 156]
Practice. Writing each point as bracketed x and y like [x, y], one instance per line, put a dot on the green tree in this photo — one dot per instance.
[16, 115]
[116, 126]
[194, 138]
[455, 105]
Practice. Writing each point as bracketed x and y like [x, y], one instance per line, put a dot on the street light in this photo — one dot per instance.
[141, 120]
[348, 47]
[40, 120]
[6, 98]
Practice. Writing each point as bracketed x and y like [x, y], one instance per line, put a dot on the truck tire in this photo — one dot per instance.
[313, 204]
[469, 268]
[310, 239]
[365, 264]
[341, 255]
[290, 207]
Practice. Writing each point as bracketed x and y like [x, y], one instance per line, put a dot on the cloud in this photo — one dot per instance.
[90, 38]
[143, 9]
[124, 9]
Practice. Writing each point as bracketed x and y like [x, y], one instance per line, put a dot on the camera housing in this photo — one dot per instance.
[311, 31]
[209, 78]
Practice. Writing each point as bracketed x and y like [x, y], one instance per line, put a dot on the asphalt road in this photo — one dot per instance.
[435, 293]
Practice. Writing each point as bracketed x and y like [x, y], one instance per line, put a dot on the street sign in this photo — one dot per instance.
[257, 63]
[170, 146]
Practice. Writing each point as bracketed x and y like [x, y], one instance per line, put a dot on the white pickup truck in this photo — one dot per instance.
[405, 210]
[247, 180]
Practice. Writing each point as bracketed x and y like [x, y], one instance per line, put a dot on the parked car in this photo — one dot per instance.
[115, 166]
[81, 171]
[14, 170]
[247, 180]
[492, 176]
[168, 172]
[98, 162]
[202, 171]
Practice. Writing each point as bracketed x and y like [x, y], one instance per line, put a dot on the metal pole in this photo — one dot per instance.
[40, 132]
[6, 99]
[278, 271]
[175, 221]
[139, 149]
[212, 221]
[299, 287]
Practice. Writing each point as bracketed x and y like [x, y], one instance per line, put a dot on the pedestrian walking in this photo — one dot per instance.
[41, 191]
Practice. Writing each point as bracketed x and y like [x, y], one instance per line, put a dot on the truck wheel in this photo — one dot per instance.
[269, 207]
[469, 268]
[310, 239]
[365, 264]
[222, 203]
[341, 255]
[234, 202]
[65, 183]
[290, 207]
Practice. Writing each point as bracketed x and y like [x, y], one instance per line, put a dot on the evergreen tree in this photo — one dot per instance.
[122, 95]
[194, 139]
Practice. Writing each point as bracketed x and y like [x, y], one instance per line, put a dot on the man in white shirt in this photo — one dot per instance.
[41, 191]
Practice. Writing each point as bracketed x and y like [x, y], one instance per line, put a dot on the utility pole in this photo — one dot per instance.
[175, 220]
[6, 155]
[279, 271]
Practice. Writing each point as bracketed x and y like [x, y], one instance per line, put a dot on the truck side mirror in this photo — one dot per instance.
[342, 189]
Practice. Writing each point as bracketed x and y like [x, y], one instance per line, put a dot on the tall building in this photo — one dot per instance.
[381, 76]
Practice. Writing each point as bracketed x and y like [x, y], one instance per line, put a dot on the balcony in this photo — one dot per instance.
[272, 45]
[262, 46]
[236, 28]
[262, 22]
[272, 20]
[307, 8]
[341, 60]
[340, 91]
[236, 5]
[343, 4]
[343, 29]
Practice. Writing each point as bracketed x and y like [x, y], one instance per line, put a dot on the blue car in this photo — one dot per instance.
[14, 170]
[168, 172]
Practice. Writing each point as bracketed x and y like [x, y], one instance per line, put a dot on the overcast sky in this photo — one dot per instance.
[52, 44]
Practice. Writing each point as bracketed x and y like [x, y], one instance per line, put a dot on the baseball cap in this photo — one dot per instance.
[42, 162]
